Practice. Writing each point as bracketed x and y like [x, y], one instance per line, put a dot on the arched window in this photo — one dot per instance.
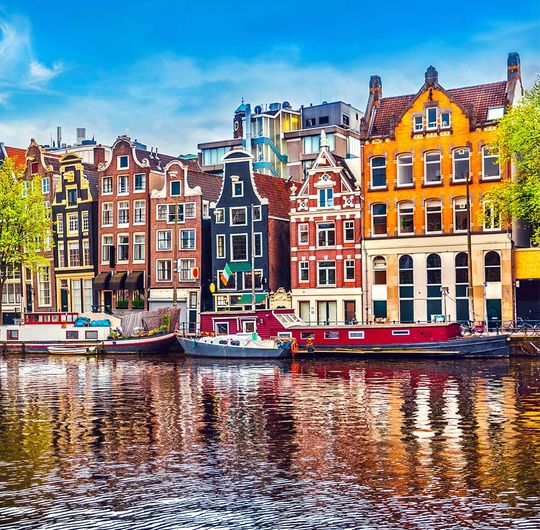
[404, 169]
[379, 271]
[462, 284]
[378, 172]
[433, 216]
[461, 160]
[378, 219]
[405, 218]
[406, 289]
[379, 293]
[433, 265]
[492, 267]
[432, 167]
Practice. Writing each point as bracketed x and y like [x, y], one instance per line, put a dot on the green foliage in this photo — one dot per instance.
[121, 304]
[24, 222]
[138, 303]
[519, 144]
[166, 319]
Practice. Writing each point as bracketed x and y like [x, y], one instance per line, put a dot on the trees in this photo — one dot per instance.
[519, 143]
[24, 223]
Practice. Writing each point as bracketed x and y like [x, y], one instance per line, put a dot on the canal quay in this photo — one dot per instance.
[129, 442]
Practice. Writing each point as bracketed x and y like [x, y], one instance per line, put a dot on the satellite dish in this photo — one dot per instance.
[258, 109]
[286, 105]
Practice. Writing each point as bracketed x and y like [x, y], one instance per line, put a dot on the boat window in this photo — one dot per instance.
[222, 342]
[307, 335]
[13, 334]
[356, 334]
[222, 328]
[235, 343]
[331, 334]
[401, 332]
[91, 334]
[284, 335]
[72, 334]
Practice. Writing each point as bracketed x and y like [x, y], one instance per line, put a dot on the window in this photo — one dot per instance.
[349, 269]
[91, 334]
[434, 305]
[490, 163]
[323, 120]
[418, 123]
[122, 162]
[258, 244]
[326, 197]
[186, 269]
[248, 278]
[162, 212]
[123, 213]
[231, 282]
[164, 270]
[406, 289]
[139, 183]
[303, 234]
[257, 215]
[492, 267]
[176, 213]
[433, 216]
[445, 120]
[60, 224]
[220, 215]
[164, 240]
[432, 167]
[238, 216]
[405, 218]
[44, 280]
[311, 122]
[378, 172]
[404, 170]
[123, 248]
[379, 271]
[326, 234]
[461, 160]
[303, 271]
[495, 113]
[220, 246]
[492, 218]
[189, 210]
[239, 247]
[138, 247]
[13, 334]
[45, 185]
[326, 273]
[378, 219]
[73, 222]
[348, 231]
[72, 197]
[86, 253]
[11, 293]
[462, 285]
[107, 214]
[461, 215]
[431, 118]
[345, 119]
[187, 239]
[123, 185]
[74, 254]
[106, 185]
[106, 245]
[211, 157]
[238, 189]
[176, 188]
[139, 208]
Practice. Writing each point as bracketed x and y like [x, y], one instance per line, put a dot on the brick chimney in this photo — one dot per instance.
[432, 76]
[99, 155]
[375, 96]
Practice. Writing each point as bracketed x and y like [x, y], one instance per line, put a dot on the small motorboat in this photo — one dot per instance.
[238, 346]
[67, 350]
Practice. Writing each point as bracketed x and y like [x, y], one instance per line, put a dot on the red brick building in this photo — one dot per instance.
[326, 265]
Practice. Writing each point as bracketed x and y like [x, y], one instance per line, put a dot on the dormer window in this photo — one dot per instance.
[495, 113]
[431, 118]
[176, 188]
[122, 162]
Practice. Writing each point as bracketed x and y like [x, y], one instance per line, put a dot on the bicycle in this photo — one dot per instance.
[470, 328]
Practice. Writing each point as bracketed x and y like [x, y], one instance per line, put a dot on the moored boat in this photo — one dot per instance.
[237, 346]
[65, 350]
[395, 340]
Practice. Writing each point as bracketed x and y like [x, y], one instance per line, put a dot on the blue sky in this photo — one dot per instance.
[171, 73]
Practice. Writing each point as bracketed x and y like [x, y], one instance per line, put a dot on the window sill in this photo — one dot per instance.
[405, 186]
[459, 182]
[406, 234]
[378, 188]
[490, 179]
[431, 184]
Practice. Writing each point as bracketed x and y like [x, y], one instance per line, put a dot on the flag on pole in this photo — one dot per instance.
[225, 275]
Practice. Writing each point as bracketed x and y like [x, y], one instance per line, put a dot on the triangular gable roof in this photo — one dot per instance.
[17, 154]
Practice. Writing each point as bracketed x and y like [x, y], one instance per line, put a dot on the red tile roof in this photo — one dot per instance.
[158, 161]
[476, 99]
[277, 191]
[210, 184]
[18, 155]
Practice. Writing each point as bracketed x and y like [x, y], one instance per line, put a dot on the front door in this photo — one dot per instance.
[494, 313]
[29, 298]
[327, 313]
[107, 302]
[64, 294]
[349, 310]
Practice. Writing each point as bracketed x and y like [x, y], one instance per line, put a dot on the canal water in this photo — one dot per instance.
[163, 443]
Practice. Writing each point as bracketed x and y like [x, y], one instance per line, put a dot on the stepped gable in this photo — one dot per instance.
[277, 191]
[210, 184]
[479, 98]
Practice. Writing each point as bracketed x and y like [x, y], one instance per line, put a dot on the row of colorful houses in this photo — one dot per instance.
[406, 235]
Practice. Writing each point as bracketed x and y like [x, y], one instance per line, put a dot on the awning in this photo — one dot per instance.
[247, 299]
[117, 281]
[240, 267]
[135, 281]
[101, 281]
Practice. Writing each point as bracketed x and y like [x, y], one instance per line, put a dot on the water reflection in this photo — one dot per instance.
[175, 443]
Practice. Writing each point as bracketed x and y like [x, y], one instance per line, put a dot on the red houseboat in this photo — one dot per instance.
[426, 340]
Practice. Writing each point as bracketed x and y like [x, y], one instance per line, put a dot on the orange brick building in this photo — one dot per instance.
[419, 152]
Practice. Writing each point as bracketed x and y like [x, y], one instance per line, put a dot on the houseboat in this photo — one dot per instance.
[38, 332]
[441, 340]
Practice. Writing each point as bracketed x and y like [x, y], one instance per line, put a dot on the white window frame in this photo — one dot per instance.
[326, 231]
[194, 238]
[170, 270]
[328, 197]
[160, 209]
[433, 127]
[60, 224]
[73, 245]
[454, 173]
[319, 263]
[484, 177]
[458, 201]
[348, 265]
[303, 267]
[110, 213]
[158, 242]
[232, 236]
[432, 203]
[231, 215]
[109, 179]
[258, 235]
[426, 163]
[415, 123]
[257, 212]
[496, 220]
[400, 165]
[224, 240]
[85, 220]
[187, 208]
[143, 189]
[301, 227]
[373, 216]
[401, 206]
[189, 266]
[120, 209]
[73, 216]
[233, 191]
[219, 215]
[122, 178]
[118, 248]
[135, 244]
[45, 185]
[176, 181]
[442, 113]
[143, 209]
[351, 224]
[106, 237]
[120, 159]
[371, 168]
